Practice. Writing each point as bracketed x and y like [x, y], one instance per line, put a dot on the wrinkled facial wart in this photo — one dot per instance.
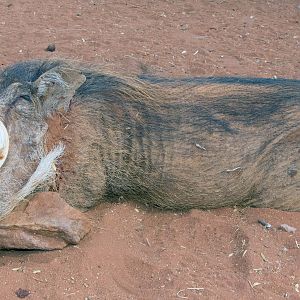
[4, 143]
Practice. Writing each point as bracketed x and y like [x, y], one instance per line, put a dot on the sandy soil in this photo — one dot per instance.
[137, 254]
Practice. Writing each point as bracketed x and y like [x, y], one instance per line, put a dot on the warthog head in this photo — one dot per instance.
[29, 93]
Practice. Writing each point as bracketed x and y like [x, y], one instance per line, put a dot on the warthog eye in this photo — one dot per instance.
[21, 97]
[26, 97]
[4, 143]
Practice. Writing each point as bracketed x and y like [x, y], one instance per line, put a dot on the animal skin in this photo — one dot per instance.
[94, 136]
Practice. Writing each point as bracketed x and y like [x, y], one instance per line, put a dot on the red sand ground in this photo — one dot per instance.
[137, 254]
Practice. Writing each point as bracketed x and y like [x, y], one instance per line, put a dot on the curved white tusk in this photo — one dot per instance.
[4, 144]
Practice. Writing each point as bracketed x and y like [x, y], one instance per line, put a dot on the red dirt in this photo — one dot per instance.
[137, 254]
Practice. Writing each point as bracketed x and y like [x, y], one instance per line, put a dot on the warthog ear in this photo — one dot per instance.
[55, 89]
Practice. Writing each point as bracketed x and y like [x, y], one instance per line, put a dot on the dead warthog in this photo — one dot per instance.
[95, 136]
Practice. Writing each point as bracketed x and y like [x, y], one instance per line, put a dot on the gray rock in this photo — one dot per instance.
[287, 228]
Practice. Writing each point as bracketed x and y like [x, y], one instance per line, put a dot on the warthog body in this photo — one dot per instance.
[174, 144]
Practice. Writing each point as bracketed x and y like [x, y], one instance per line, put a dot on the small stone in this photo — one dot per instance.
[183, 27]
[50, 48]
[264, 223]
[292, 171]
[21, 293]
[287, 228]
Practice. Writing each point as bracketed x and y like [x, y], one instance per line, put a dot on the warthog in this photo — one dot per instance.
[93, 136]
